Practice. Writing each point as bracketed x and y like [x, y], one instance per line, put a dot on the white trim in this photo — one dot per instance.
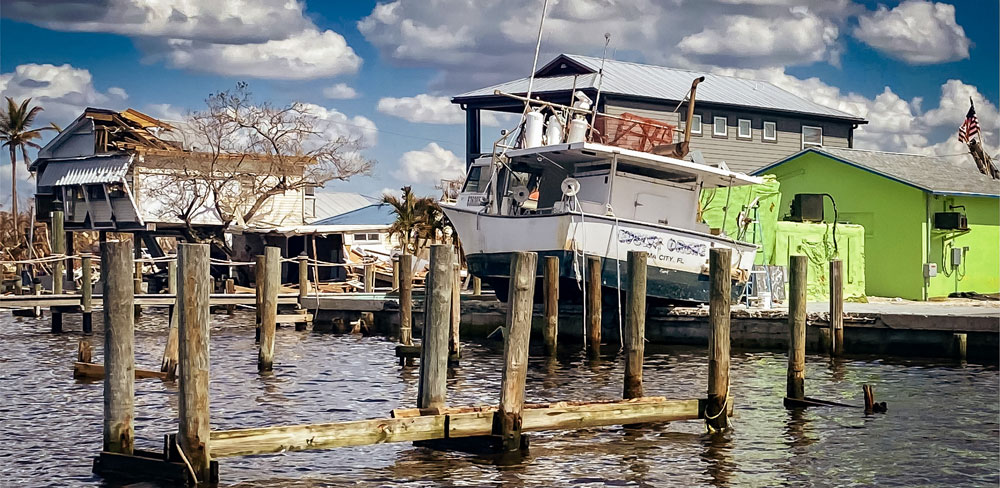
[725, 125]
[811, 144]
[696, 132]
[763, 132]
[739, 129]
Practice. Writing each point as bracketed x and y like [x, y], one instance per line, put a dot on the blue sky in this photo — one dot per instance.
[385, 71]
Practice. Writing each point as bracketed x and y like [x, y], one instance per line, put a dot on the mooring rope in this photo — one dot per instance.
[618, 277]
[725, 407]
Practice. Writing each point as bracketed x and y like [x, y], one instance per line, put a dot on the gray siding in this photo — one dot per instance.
[739, 154]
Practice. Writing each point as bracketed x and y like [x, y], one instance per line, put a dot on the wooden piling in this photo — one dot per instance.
[57, 243]
[720, 286]
[477, 286]
[303, 279]
[395, 273]
[635, 324]
[169, 362]
[431, 389]
[405, 299]
[84, 351]
[269, 307]
[137, 277]
[594, 300]
[455, 317]
[797, 271]
[507, 420]
[369, 277]
[550, 333]
[87, 294]
[18, 282]
[961, 345]
[193, 327]
[119, 343]
[836, 307]
[258, 273]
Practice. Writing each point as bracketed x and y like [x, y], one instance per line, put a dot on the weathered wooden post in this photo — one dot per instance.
[137, 283]
[720, 286]
[87, 294]
[369, 277]
[258, 273]
[169, 363]
[635, 324]
[432, 388]
[551, 292]
[18, 282]
[269, 307]
[119, 343]
[836, 307]
[193, 295]
[57, 243]
[303, 280]
[477, 286]
[406, 299]
[594, 300]
[797, 270]
[961, 345]
[455, 317]
[507, 419]
[395, 273]
[230, 290]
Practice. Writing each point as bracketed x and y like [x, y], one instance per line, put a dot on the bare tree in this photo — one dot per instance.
[239, 156]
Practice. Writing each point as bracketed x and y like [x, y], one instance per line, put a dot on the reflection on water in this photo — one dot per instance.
[941, 428]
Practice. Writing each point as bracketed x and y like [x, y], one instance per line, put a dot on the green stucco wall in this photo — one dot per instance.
[893, 215]
[980, 268]
[815, 241]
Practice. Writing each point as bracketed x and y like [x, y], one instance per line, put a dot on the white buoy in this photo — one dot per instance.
[577, 130]
[533, 128]
[554, 130]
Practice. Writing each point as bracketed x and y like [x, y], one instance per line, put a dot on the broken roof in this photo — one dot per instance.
[657, 82]
[937, 175]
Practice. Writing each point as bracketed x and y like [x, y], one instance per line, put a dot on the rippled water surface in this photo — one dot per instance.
[941, 429]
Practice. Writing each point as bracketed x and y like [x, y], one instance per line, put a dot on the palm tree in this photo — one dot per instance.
[16, 133]
[407, 216]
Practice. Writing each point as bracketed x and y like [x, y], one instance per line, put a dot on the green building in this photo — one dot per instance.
[931, 224]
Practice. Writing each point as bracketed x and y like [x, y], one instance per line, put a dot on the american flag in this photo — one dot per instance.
[968, 130]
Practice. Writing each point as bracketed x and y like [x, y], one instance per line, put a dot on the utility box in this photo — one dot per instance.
[950, 221]
[956, 257]
[807, 207]
[930, 270]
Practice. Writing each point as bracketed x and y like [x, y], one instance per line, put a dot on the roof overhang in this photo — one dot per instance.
[85, 171]
[316, 229]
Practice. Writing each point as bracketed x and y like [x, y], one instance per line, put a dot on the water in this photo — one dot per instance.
[941, 428]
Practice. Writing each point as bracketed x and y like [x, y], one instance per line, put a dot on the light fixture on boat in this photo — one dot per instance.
[570, 187]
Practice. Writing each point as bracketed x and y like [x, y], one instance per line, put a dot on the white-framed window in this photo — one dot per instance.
[812, 136]
[770, 132]
[719, 127]
[696, 124]
[743, 129]
[366, 237]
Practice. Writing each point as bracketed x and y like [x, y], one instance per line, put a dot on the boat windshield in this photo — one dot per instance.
[476, 181]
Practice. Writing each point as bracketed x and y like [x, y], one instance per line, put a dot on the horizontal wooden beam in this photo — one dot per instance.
[465, 422]
[93, 371]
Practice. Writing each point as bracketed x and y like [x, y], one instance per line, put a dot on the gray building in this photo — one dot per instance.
[746, 123]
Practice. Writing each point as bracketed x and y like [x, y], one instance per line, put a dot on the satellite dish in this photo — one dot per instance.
[520, 194]
[570, 187]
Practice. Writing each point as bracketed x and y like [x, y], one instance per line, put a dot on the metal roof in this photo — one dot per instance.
[333, 203]
[937, 175]
[374, 214]
[659, 82]
[85, 171]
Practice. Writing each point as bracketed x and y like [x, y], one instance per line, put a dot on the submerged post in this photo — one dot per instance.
[57, 243]
[169, 362]
[635, 324]
[551, 278]
[87, 294]
[797, 270]
[432, 388]
[193, 295]
[836, 307]
[507, 419]
[594, 305]
[269, 307]
[961, 345]
[720, 287]
[405, 299]
[119, 343]
[454, 339]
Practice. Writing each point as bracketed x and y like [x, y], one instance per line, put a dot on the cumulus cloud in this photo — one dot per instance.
[430, 109]
[340, 91]
[737, 40]
[62, 91]
[252, 38]
[431, 164]
[335, 124]
[916, 31]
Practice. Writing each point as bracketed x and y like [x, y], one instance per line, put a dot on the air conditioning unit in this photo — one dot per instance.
[951, 221]
[807, 207]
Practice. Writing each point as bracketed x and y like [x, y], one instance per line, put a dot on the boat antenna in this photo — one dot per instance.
[534, 64]
[600, 83]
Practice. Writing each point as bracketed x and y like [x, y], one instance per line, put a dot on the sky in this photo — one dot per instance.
[385, 72]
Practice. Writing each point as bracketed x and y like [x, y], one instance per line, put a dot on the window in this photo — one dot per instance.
[812, 136]
[719, 127]
[309, 206]
[366, 237]
[770, 131]
[474, 182]
[743, 129]
[696, 124]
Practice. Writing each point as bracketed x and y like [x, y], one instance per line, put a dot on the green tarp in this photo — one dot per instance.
[761, 232]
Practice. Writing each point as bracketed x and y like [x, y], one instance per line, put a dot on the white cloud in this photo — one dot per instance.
[62, 91]
[429, 165]
[306, 55]
[253, 38]
[954, 105]
[430, 109]
[334, 123]
[340, 91]
[916, 31]
[803, 38]
[165, 112]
